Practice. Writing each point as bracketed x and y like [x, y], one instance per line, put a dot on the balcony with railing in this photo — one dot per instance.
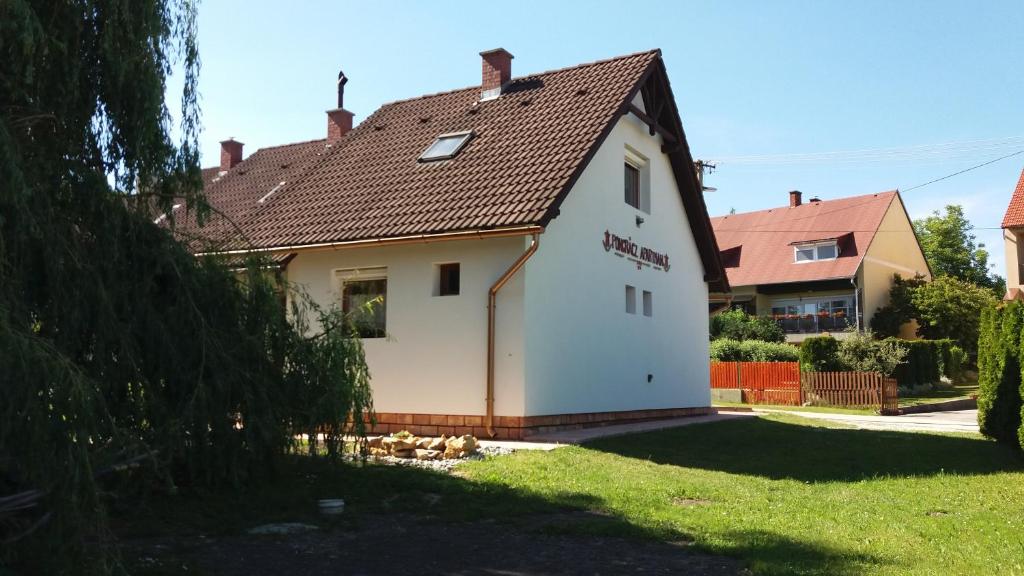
[815, 323]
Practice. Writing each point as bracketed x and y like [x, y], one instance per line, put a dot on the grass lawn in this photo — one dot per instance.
[958, 391]
[785, 495]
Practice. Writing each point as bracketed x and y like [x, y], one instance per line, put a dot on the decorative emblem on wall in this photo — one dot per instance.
[640, 255]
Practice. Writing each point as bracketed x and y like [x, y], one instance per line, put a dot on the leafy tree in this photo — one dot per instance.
[888, 319]
[122, 356]
[738, 325]
[951, 308]
[951, 250]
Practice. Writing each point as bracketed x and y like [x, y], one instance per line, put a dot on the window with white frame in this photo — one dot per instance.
[648, 303]
[637, 180]
[815, 251]
[364, 299]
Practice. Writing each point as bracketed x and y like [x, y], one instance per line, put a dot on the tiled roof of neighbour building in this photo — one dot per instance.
[236, 195]
[527, 148]
[757, 247]
[1015, 211]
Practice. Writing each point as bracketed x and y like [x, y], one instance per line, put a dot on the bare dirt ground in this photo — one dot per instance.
[400, 544]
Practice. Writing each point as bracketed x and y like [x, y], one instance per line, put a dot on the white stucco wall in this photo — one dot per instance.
[584, 353]
[434, 360]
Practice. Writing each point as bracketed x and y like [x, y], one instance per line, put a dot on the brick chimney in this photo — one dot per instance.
[339, 120]
[794, 198]
[230, 154]
[497, 70]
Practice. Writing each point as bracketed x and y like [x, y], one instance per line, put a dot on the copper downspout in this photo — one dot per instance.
[492, 295]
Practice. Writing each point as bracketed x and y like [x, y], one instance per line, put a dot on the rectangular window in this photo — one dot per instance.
[826, 251]
[812, 252]
[448, 279]
[363, 300]
[630, 299]
[648, 303]
[632, 180]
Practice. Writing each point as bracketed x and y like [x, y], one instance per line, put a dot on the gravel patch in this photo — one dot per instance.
[481, 453]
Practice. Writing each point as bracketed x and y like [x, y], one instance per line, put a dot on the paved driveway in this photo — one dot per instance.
[952, 421]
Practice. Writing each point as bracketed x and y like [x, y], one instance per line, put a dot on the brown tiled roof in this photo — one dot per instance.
[1015, 211]
[528, 147]
[758, 246]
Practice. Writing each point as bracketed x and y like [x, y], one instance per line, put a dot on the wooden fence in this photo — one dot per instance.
[784, 383]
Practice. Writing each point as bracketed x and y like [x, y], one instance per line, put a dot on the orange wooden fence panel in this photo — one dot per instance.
[783, 383]
[725, 375]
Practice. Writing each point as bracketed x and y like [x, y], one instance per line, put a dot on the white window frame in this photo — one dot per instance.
[643, 168]
[648, 303]
[815, 247]
[342, 275]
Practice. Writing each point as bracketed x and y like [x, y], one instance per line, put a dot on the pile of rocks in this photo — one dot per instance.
[405, 445]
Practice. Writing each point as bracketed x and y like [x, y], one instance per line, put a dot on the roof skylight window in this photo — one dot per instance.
[446, 146]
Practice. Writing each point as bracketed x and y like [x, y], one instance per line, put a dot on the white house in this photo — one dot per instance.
[540, 246]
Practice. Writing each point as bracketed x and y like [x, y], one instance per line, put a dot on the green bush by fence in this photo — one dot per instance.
[820, 354]
[738, 325]
[728, 350]
[999, 373]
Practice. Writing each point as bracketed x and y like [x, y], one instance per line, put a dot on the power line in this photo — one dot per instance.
[964, 170]
[926, 152]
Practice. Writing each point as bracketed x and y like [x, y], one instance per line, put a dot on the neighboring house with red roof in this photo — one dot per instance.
[818, 267]
[540, 246]
[1013, 232]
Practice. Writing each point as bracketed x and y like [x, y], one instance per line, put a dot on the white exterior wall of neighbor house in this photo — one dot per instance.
[434, 360]
[894, 250]
[584, 352]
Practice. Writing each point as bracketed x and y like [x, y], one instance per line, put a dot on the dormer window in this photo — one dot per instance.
[446, 146]
[815, 251]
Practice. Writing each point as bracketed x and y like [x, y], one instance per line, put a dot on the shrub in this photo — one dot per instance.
[999, 375]
[727, 350]
[923, 364]
[738, 325]
[861, 352]
[820, 354]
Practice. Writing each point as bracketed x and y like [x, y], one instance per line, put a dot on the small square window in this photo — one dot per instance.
[630, 299]
[648, 303]
[632, 184]
[446, 146]
[448, 279]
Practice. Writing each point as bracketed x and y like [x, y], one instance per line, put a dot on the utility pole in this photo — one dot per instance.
[700, 166]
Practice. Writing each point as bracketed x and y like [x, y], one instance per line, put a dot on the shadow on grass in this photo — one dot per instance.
[771, 448]
[428, 511]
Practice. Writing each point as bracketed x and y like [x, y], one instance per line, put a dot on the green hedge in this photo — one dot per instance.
[738, 325]
[999, 373]
[820, 354]
[922, 365]
[727, 350]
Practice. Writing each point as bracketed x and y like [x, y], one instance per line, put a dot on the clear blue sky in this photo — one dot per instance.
[750, 78]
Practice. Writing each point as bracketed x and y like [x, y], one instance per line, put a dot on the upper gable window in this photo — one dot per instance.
[812, 252]
[637, 180]
[446, 146]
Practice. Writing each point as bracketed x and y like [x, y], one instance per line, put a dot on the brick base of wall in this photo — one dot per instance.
[517, 427]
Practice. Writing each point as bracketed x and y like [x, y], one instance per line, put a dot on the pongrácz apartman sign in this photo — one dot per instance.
[640, 255]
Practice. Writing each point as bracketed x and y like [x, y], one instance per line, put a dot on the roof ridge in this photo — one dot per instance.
[653, 51]
[890, 191]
